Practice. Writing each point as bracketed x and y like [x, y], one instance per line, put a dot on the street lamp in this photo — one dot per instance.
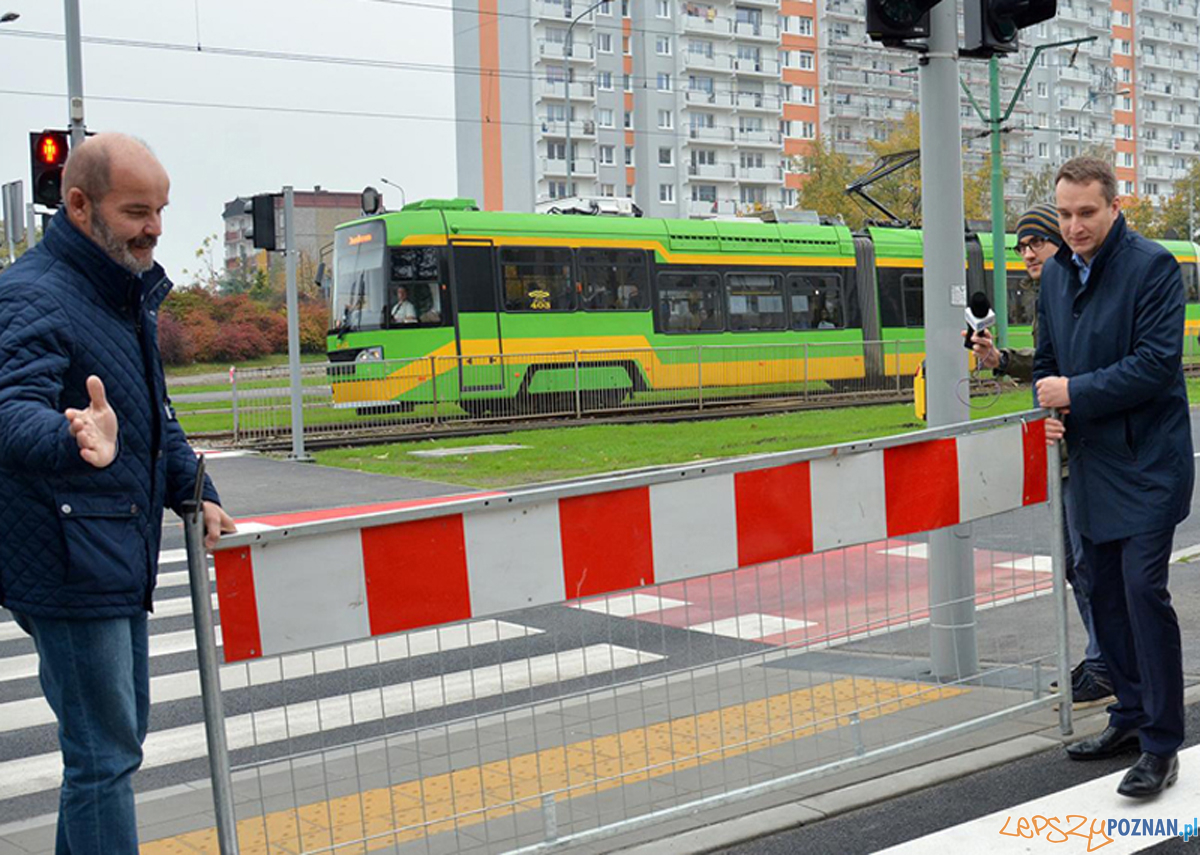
[568, 52]
[1090, 100]
[398, 187]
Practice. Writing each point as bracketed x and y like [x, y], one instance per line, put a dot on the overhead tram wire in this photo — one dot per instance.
[333, 59]
[311, 111]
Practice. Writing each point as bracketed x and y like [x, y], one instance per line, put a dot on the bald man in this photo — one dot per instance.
[90, 453]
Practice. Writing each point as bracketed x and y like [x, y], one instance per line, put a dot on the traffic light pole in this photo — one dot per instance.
[74, 71]
[293, 320]
[953, 650]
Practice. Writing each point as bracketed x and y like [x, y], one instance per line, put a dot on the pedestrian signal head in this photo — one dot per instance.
[49, 155]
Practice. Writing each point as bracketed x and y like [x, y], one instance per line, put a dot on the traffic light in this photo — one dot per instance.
[48, 153]
[895, 21]
[991, 26]
[262, 221]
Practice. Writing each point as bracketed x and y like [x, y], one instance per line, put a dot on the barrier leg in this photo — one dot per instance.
[210, 675]
[1058, 555]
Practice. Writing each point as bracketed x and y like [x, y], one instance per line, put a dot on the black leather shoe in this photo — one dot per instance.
[1149, 776]
[1110, 743]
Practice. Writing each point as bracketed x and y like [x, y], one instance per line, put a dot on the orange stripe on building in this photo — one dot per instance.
[489, 105]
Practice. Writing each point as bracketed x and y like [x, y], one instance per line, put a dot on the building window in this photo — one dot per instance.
[606, 8]
[804, 26]
[607, 154]
[666, 192]
[604, 80]
[604, 116]
[666, 156]
[699, 47]
[666, 119]
[704, 193]
[664, 82]
[558, 189]
[628, 120]
[664, 8]
[804, 60]
[628, 84]
[1043, 150]
[629, 190]
[604, 42]
[629, 155]
[624, 8]
[808, 95]
[808, 131]
[1042, 90]
[662, 45]
[607, 190]
[626, 47]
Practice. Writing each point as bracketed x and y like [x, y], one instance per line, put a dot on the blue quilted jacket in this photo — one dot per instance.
[76, 541]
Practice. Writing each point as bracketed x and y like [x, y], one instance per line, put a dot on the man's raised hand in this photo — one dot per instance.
[95, 429]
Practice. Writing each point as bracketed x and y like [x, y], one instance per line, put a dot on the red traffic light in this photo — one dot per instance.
[52, 148]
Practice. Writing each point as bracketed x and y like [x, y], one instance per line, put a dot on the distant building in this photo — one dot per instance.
[318, 212]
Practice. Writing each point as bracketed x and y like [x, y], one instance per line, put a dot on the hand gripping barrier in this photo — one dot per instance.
[337, 580]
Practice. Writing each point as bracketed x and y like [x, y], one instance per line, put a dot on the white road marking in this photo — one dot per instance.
[32, 712]
[628, 605]
[275, 724]
[751, 626]
[1030, 563]
[1096, 800]
[170, 607]
[163, 644]
[909, 550]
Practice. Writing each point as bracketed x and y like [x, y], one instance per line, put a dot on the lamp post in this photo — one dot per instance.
[995, 120]
[1090, 100]
[568, 52]
[403, 201]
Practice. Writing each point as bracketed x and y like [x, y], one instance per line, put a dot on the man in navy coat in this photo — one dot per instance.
[1111, 311]
[90, 453]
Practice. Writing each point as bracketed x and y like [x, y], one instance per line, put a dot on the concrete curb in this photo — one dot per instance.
[825, 805]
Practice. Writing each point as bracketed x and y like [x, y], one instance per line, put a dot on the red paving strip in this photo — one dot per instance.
[295, 518]
[842, 593]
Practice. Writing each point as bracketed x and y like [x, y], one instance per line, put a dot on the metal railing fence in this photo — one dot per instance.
[547, 727]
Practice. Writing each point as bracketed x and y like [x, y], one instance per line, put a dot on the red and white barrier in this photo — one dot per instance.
[331, 581]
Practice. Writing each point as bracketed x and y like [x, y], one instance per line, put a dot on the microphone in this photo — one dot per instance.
[979, 316]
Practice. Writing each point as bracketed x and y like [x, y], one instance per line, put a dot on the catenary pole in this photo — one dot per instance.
[74, 72]
[293, 317]
[951, 567]
[999, 251]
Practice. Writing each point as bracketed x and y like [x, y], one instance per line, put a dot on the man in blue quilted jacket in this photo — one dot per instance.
[90, 453]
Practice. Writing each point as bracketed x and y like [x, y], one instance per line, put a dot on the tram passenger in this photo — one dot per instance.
[1038, 239]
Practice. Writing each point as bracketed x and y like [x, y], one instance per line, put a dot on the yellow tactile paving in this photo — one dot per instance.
[436, 803]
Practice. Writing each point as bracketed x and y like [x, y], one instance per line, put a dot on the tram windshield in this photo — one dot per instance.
[360, 298]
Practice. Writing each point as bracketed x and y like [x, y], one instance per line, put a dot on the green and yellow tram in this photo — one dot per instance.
[441, 302]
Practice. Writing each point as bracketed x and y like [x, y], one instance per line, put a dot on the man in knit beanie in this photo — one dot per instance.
[1038, 239]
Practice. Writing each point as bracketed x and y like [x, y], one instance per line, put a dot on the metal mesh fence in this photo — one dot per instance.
[542, 727]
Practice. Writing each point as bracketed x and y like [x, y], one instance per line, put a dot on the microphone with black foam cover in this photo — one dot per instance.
[979, 317]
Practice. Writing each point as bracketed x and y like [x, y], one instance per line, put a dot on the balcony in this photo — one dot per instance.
[758, 102]
[712, 171]
[1157, 34]
[704, 98]
[557, 51]
[1154, 60]
[845, 9]
[583, 167]
[768, 4]
[1157, 117]
[719, 136]
[765, 67]
[700, 209]
[579, 129]
[561, 11]
[707, 26]
[760, 174]
[765, 31]
[718, 62]
[1074, 73]
[758, 139]
[555, 90]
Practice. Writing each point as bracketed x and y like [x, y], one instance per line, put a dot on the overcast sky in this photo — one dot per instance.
[215, 154]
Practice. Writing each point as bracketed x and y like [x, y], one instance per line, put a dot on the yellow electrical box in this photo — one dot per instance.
[919, 391]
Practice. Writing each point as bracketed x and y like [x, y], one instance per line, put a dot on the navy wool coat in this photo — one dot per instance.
[1119, 339]
[81, 542]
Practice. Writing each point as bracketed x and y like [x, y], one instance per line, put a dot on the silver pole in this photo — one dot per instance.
[233, 393]
[30, 227]
[1058, 564]
[210, 674]
[293, 312]
[74, 71]
[953, 650]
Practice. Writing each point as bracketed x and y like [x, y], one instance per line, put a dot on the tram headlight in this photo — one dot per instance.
[370, 354]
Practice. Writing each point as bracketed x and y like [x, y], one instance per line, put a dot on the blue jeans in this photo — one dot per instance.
[95, 675]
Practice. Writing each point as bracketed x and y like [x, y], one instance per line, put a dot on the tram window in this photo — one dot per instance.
[817, 302]
[755, 301]
[612, 279]
[414, 303]
[912, 287]
[537, 280]
[1191, 285]
[1022, 300]
[690, 302]
[409, 265]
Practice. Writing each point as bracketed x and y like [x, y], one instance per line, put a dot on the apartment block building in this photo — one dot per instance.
[700, 107]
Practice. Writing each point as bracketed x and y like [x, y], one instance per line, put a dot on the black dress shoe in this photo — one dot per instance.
[1110, 743]
[1149, 776]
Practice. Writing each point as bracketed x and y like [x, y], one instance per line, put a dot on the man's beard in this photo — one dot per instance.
[119, 250]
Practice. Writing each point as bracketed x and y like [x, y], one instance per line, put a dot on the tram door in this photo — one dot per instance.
[477, 319]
